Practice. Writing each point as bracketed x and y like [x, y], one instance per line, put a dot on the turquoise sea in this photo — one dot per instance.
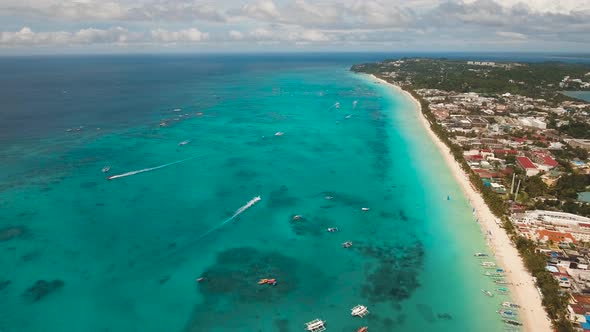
[124, 254]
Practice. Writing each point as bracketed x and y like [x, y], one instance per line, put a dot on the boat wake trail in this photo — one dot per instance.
[147, 169]
[237, 213]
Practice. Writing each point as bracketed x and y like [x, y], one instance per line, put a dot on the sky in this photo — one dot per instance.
[128, 26]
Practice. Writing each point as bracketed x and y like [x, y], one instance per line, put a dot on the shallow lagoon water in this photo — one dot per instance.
[129, 250]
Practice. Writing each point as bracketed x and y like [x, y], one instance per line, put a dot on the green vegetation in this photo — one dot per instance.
[458, 77]
[576, 129]
[536, 80]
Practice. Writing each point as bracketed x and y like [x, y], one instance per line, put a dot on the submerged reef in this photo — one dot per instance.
[42, 288]
[12, 232]
[395, 277]
[230, 287]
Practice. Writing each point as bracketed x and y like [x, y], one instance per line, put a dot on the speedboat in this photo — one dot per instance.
[347, 244]
[106, 169]
[363, 329]
[297, 217]
[184, 142]
[332, 229]
[365, 209]
[279, 133]
[328, 197]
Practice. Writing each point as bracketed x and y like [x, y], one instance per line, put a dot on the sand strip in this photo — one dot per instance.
[523, 288]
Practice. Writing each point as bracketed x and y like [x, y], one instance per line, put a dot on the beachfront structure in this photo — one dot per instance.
[527, 165]
[577, 226]
[579, 143]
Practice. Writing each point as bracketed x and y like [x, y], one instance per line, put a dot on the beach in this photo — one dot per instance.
[522, 286]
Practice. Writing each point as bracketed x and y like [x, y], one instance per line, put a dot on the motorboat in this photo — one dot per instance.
[185, 142]
[106, 169]
[488, 293]
[347, 244]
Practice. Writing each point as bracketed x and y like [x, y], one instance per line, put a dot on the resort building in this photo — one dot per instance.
[527, 165]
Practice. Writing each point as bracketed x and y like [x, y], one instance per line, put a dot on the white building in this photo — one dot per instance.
[578, 226]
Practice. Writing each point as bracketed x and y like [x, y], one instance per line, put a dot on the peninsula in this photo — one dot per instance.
[519, 149]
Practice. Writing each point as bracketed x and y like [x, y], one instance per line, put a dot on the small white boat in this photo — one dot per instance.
[347, 244]
[176, 110]
[488, 264]
[348, 116]
[106, 169]
[316, 325]
[297, 217]
[502, 282]
[365, 209]
[359, 311]
[510, 305]
[488, 293]
[279, 133]
[328, 197]
[332, 229]
[480, 254]
[185, 142]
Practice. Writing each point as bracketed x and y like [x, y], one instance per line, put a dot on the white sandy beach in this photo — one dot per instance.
[523, 289]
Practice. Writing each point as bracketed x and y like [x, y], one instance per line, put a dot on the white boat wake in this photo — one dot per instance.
[147, 169]
[237, 213]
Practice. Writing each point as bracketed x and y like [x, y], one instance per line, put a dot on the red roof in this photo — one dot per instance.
[547, 160]
[554, 236]
[584, 224]
[525, 162]
[503, 151]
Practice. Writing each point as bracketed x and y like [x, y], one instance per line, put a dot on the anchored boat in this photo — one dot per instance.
[315, 325]
[359, 311]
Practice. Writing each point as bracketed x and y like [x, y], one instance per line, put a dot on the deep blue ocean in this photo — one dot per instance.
[316, 142]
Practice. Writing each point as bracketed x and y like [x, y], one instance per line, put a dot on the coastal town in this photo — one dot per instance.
[524, 147]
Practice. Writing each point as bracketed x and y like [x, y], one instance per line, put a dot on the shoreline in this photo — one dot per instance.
[522, 286]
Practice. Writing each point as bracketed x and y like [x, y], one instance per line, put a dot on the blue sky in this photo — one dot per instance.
[127, 26]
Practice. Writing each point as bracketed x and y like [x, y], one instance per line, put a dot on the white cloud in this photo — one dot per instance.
[115, 35]
[236, 35]
[285, 22]
[262, 9]
[188, 35]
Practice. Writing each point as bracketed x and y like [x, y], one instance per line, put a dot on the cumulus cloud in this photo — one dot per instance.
[117, 35]
[327, 22]
[188, 35]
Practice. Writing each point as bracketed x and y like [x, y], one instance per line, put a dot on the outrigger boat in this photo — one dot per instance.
[508, 313]
[347, 244]
[480, 254]
[510, 305]
[315, 325]
[359, 311]
[488, 293]
[271, 282]
[503, 290]
[501, 282]
[488, 264]
[512, 322]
